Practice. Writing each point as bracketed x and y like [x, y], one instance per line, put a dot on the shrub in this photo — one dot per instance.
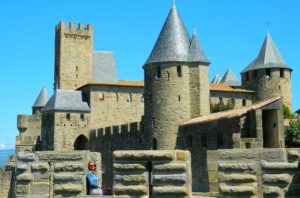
[292, 134]
[221, 107]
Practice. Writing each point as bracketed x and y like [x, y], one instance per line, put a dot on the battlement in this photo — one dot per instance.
[72, 26]
[130, 128]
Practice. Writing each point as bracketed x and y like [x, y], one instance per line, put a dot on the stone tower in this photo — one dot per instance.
[40, 102]
[268, 75]
[176, 83]
[73, 55]
[65, 122]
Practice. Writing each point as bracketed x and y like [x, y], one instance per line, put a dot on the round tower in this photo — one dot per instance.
[176, 83]
[268, 75]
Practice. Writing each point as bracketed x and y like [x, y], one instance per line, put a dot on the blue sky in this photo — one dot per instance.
[231, 33]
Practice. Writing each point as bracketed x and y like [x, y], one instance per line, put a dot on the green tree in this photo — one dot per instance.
[292, 134]
[287, 113]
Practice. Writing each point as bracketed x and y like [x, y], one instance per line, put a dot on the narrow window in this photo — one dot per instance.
[244, 102]
[281, 73]
[279, 87]
[130, 97]
[142, 98]
[268, 73]
[168, 76]
[117, 97]
[101, 96]
[150, 97]
[154, 144]
[255, 74]
[179, 98]
[158, 72]
[232, 102]
[153, 122]
[68, 116]
[247, 76]
[179, 71]
[82, 117]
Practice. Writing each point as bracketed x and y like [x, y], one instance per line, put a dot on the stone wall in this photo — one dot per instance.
[6, 184]
[114, 105]
[73, 55]
[29, 127]
[53, 174]
[109, 139]
[270, 86]
[254, 172]
[240, 99]
[152, 174]
[60, 130]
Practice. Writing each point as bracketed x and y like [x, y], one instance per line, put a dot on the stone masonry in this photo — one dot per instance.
[53, 174]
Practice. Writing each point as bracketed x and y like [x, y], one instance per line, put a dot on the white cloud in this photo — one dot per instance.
[2, 146]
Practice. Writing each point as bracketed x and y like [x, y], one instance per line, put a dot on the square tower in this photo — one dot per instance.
[73, 55]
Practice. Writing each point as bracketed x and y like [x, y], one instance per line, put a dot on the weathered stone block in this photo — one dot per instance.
[237, 177]
[26, 157]
[21, 167]
[174, 179]
[237, 190]
[68, 188]
[170, 190]
[177, 167]
[39, 189]
[129, 167]
[130, 190]
[68, 177]
[60, 156]
[41, 166]
[236, 166]
[22, 189]
[277, 178]
[143, 155]
[279, 165]
[69, 167]
[25, 177]
[212, 176]
[182, 155]
[130, 179]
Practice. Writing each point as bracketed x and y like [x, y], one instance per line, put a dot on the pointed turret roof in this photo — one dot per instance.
[173, 41]
[216, 79]
[42, 99]
[195, 52]
[268, 57]
[230, 79]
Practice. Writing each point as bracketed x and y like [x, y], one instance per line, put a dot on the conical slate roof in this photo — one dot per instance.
[67, 100]
[173, 41]
[230, 79]
[216, 79]
[42, 99]
[195, 52]
[268, 57]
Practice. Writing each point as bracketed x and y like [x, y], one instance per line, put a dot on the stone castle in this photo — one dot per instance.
[164, 129]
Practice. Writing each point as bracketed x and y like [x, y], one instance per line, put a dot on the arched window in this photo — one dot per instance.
[81, 143]
[68, 116]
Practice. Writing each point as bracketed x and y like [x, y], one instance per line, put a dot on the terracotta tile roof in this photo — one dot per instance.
[224, 87]
[128, 83]
[231, 113]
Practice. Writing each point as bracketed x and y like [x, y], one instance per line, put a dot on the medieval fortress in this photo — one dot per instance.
[161, 137]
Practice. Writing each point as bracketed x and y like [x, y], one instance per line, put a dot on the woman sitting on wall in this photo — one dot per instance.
[93, 183]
